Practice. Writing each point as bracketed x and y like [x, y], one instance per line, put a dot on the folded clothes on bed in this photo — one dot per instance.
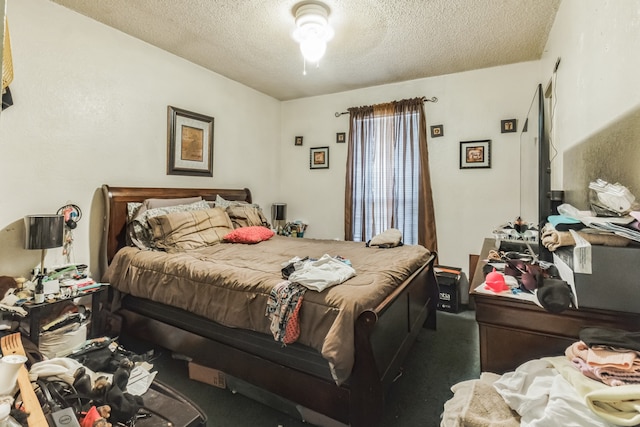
[322, 273]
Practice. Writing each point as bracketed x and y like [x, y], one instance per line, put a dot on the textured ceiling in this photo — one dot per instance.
[376, 42]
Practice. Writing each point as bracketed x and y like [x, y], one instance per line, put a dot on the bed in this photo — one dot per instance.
[328, 383]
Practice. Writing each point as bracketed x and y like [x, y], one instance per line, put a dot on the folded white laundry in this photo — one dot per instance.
[320, 274]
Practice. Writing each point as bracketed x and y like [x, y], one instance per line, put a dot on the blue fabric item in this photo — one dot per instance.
[565, 223]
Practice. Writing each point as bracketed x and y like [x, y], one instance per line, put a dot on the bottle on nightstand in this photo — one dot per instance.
[38, 297]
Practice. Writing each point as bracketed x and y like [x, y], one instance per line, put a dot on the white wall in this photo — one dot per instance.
[469, 204]
[90, 108]
[598, 79]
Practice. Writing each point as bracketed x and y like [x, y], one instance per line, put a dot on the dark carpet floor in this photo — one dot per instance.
[438, 360]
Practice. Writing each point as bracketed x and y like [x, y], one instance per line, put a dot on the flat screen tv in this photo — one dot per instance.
[535, 168]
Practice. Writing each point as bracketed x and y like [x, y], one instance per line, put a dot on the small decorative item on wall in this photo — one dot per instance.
[298, 140]
[190, 143]
[341, 137]
[319, 158]
[437, 130]
[508, 126]
[475, 154]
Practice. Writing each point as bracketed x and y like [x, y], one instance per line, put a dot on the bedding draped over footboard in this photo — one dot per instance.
[230, 284]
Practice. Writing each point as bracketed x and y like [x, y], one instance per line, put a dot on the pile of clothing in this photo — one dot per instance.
[595, 384]
[597, 227]
[301, 274]
[606, 355]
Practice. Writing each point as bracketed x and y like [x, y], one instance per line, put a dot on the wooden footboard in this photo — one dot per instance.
[383, 335]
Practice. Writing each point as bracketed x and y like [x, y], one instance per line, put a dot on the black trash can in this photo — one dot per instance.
[450, 282]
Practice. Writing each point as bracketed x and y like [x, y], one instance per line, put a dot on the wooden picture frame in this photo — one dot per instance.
[475, 154]
[319, 158]
[189, 143]
[341, 137]
[508, 126]
[298, 140]
[437, 131]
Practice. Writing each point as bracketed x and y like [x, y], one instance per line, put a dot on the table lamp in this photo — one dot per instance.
[278, 216]
[43, 232]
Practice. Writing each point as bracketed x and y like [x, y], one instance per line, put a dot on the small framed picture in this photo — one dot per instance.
[508, 126]
[475, 154]
[298, 140]
[319, 158]
[341, 137]
[437, 130]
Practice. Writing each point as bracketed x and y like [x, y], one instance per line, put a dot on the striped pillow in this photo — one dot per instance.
[180, 231]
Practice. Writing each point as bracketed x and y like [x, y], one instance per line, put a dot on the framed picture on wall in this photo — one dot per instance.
[508, 126]
[341, 137]
[437, 131]
[319, 158]
[189, 143]
[298, 140]
[475, 154]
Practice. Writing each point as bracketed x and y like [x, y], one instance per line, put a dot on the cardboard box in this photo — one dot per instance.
[207, 375]
[614, 282]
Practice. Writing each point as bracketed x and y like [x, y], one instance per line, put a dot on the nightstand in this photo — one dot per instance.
[37, 312]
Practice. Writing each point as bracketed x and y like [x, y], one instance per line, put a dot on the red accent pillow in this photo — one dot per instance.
[251, 234]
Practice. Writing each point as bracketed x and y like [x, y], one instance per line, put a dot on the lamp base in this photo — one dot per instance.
[38, 296]
[278, 225]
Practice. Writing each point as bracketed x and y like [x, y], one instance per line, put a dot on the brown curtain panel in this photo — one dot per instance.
[388, 183]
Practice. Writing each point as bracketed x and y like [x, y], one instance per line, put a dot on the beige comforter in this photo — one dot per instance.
[230, 284]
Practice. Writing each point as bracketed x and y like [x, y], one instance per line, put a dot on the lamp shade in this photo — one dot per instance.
[278, 211]
[44, 231]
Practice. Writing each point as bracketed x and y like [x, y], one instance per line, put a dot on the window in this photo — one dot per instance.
[387, 173]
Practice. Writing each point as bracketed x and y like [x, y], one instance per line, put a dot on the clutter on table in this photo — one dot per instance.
[293, 229]
[62, 283]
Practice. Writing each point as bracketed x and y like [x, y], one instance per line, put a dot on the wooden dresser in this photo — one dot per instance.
[513, 331]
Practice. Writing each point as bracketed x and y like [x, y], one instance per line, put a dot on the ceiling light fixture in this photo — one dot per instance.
[312, 31]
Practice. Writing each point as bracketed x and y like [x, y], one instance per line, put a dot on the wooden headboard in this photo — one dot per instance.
[115, 212]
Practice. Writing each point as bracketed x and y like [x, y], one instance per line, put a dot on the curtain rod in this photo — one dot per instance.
[424, 99]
